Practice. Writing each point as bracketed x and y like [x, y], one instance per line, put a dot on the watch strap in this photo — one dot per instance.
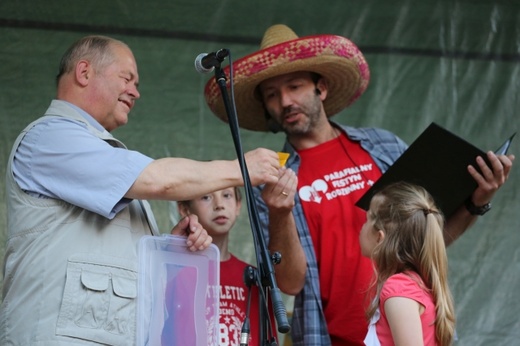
[476, 210]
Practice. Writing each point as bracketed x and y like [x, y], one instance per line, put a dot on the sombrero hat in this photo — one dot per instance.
[335, 58]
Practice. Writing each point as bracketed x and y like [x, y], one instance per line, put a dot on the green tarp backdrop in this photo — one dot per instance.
[453, 62]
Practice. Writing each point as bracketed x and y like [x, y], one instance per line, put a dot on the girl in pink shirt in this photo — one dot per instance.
[411, 303]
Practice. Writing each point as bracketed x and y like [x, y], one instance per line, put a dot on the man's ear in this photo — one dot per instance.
[83, 72]
[323, 88]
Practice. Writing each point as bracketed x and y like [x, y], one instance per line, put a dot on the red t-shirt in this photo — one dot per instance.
[331, 179]
[233, 304]
[179, 327]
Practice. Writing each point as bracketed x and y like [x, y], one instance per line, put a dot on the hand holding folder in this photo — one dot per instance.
[436, 160]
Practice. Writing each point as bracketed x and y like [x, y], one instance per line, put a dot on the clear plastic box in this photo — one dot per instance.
[178, 293]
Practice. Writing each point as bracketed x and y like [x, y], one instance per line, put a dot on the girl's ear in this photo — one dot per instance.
[380, 236]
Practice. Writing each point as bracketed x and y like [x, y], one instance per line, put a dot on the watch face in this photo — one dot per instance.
[484, 209]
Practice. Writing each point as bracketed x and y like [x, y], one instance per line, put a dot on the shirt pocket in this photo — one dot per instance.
[99, 300]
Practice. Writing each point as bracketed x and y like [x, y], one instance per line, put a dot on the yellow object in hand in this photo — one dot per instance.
[283, 158]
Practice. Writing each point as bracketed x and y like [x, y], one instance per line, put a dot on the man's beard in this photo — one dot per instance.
[311, 111]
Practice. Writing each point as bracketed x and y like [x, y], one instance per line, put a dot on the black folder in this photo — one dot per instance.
[436, 160]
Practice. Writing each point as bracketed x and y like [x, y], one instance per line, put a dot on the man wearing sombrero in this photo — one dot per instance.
[295, 84]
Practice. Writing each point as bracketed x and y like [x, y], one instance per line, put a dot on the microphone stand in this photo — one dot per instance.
[264, 259]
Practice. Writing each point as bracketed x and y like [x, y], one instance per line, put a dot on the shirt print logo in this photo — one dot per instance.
[313, 193]
[342, 183]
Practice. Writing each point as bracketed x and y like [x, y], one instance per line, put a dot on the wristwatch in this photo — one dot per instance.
[474, 210]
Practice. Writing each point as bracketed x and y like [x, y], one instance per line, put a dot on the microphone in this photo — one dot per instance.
[206, 63]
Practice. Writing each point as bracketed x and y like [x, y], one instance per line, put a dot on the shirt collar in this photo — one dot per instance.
[86, 116]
